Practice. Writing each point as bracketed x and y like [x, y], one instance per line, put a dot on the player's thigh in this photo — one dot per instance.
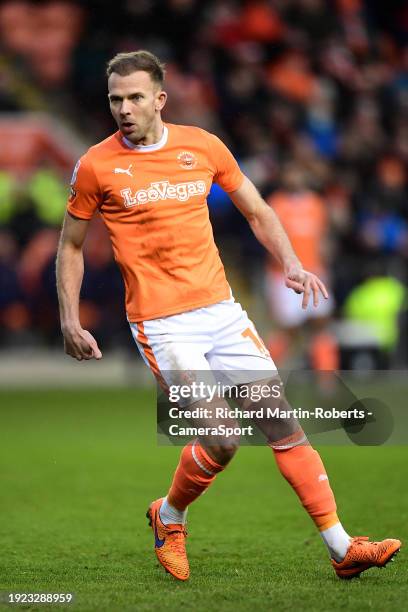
[239, 352]
[174, 355]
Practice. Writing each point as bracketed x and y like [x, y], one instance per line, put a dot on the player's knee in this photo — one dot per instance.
[223, 453]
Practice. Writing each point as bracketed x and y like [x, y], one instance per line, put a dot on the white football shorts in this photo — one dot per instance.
[218, 338]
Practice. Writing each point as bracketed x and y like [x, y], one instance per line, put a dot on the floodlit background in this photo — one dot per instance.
[312, 98]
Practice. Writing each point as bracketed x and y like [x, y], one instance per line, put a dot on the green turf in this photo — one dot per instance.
[78, 469]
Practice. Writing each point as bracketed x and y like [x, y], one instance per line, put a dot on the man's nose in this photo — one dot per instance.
[125, 108]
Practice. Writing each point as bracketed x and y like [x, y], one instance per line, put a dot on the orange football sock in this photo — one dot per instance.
[194, 474]
[324, 352]
[304, 470]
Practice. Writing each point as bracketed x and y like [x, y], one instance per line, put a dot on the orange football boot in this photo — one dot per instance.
[169, 543]
[363, 554]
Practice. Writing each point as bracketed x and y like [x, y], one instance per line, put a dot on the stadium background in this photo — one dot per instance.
[318, 87]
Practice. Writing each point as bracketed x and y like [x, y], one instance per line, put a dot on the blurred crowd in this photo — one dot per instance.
[310, 95]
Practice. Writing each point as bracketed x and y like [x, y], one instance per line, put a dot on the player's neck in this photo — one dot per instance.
[153, 135]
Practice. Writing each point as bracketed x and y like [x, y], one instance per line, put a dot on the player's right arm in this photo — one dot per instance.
[82, 204]
[79, 343]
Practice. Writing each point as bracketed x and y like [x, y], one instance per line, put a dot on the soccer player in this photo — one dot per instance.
[149, 181]
[305, 220]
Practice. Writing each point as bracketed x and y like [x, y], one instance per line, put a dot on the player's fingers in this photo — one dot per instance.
[72, 351]
[322, 288]
[79, 354]
[97, 353]
[306, 294]
[295, 285]
[315, 289]
[93, 348]
[88, 351]
[78, 349]
[75, 355]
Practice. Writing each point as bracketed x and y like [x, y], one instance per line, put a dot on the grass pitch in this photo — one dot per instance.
[79, 468]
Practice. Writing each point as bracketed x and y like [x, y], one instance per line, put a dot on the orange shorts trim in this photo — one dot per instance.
[151, 359]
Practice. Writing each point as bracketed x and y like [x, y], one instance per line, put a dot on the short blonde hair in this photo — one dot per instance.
[126, 63]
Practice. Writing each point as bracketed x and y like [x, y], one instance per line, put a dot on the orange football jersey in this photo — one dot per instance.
[153, 200]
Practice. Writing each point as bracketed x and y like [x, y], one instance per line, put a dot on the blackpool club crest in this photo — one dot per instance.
[187, 160]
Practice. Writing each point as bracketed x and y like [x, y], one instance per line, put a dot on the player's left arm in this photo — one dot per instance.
[270, 233]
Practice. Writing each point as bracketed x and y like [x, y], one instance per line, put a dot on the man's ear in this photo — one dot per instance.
[160, 101]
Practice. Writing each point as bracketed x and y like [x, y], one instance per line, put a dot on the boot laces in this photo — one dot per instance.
[360, 539]
[372, 553]
[177, 540]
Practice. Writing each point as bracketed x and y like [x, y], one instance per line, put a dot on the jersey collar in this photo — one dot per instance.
[148, 148]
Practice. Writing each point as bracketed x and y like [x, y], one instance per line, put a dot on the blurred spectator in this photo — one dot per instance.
[14, 314]
[291, 76]
[304, 216]
[382, 211]
[376, 305]
[43, 34]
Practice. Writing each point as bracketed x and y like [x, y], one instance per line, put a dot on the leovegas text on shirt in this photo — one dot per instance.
[153, 200]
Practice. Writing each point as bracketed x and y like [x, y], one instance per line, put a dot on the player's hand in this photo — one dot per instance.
[80, 344]
[305, 282]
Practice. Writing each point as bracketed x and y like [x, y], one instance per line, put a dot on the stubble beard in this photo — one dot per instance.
[140, 133]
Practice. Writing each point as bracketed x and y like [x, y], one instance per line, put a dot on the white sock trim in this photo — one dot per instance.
[288, 446]
[198, 462]
[337, 541]
[169, 515]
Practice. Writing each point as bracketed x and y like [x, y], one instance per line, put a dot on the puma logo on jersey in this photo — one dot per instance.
[163, 190]
[124, 170]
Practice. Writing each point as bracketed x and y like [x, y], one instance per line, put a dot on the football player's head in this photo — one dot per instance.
[136, 96]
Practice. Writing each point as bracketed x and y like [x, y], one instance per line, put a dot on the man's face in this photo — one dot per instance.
[135, 102]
